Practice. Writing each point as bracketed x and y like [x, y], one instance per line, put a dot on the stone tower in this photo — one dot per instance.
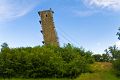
[48, 28]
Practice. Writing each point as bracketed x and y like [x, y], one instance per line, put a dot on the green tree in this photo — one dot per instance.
[97, 57]
[4, 45]
[106, 58]
[118, 33]
[116, 54]
[114, 51]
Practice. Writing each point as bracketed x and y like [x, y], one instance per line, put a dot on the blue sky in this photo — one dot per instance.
[91, 24]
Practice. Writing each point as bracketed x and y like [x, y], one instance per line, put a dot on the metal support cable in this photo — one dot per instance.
[68, 36]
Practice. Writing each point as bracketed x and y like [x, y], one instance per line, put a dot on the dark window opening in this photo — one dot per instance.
[46, 15]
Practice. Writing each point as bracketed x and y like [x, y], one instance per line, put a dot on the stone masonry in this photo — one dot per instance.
[48, 28]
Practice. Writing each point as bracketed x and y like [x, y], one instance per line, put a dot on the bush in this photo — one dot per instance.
[116, 66]
[44, 61]
[102, 58]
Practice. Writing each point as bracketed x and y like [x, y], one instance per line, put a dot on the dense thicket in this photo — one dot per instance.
[38, 61]
[102, 57]
[115, 57]
[116, 66]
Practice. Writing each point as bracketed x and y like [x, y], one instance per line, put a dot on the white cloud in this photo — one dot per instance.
[104, 4]
[81, 13]
[11, 9]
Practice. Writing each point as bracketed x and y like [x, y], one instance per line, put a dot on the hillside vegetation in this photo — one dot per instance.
[44, 62]
[101, 71]
[57, 63]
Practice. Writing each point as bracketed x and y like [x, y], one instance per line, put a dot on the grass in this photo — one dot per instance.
[38, 79]
[98, 76]
[101, 71]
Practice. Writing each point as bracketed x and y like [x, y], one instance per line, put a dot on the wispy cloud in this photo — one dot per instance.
[104, 4]
[84, 13]
[11, 9]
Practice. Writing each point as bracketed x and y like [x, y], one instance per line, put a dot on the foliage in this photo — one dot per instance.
[44, 61]
[4, 45]
[102, 58]
[116, 57]
[114, 51]
[97, 57]
[116, 66]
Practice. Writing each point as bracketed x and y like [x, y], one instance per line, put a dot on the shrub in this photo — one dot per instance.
[116, 67]
[44, 61]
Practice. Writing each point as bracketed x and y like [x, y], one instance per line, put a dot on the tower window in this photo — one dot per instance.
[46, 15]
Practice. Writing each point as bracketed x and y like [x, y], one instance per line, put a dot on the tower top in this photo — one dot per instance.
[50, 10]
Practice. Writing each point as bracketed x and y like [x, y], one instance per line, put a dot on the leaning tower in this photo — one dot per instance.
[48, 28]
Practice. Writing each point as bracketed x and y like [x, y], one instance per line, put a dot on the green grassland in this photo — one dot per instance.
[101, 71]
[38, 79]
